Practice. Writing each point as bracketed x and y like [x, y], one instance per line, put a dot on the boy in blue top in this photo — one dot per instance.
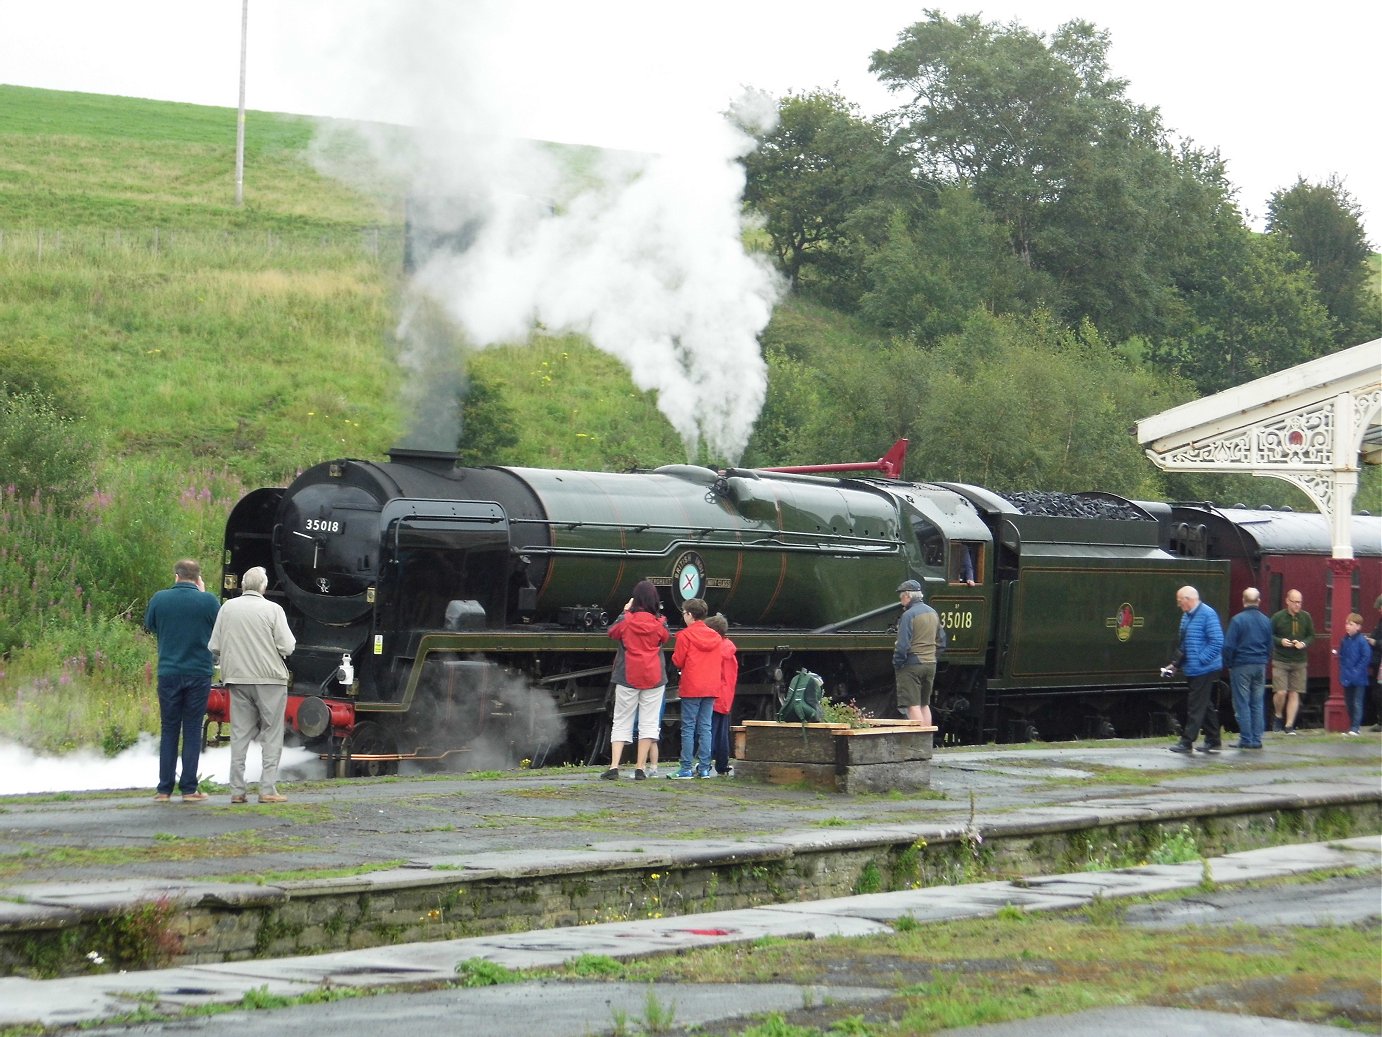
[1354, 654]
[181, 617]
[1201, 659]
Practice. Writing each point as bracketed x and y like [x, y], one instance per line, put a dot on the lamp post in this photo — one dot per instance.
[240, 120]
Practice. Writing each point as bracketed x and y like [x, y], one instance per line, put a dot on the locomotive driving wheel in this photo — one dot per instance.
[366, 740]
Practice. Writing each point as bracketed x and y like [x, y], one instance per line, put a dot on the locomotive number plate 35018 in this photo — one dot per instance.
[324, 526]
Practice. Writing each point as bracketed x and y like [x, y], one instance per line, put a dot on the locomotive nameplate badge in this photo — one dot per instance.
[1124, 621]
[688, 576]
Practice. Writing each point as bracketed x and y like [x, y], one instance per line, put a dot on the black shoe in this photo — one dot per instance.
[1240, 745]
[1179, 747]
[1291, 730]
[1207, 748]
[639, 776]
[1278, 725]
[611, 775]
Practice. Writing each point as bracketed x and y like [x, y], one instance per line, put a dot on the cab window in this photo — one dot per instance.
[930, 543]
[966, 562]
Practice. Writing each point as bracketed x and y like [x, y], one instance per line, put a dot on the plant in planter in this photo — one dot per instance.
[850, 713]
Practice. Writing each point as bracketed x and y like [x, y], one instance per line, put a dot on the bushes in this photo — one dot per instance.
[42, 447]
[75, 665]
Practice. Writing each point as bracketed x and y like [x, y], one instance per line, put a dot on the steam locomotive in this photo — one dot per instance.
[443, 612]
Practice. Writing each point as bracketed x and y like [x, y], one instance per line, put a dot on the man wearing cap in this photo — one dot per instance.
[920, 640]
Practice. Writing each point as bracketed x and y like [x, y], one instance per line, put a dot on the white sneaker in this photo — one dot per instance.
[651, 771]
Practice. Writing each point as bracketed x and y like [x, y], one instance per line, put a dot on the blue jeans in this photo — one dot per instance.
[696, 715]
[181, 709]
[1249, 704]
[1354, 697]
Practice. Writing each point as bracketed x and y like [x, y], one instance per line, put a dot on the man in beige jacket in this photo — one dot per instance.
[251, 640]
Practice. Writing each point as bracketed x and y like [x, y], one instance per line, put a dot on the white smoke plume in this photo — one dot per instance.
[641, 253]
[137, 767]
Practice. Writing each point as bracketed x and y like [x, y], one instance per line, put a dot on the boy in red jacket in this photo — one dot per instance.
[697, 655]
[724, 701]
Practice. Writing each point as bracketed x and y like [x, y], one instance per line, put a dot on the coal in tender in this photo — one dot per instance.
[1069, 505]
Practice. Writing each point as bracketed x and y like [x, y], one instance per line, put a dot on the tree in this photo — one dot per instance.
[1251, 311]
[1027, 403]
[818, 166]
[1323, 225]
[1083, 180]
[938, 266]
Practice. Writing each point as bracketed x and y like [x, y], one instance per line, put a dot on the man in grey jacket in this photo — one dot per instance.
[251, 640]
[920, 640]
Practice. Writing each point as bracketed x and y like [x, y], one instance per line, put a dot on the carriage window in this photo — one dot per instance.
[966, 562]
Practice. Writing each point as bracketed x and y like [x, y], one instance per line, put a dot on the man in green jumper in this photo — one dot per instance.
[1292, 632]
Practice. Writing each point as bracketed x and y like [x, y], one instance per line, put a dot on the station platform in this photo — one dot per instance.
[286, 894]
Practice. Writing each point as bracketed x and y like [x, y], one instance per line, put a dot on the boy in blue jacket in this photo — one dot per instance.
[1354, 654]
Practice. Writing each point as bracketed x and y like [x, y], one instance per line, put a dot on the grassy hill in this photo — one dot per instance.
[258, 338]
[192, 350]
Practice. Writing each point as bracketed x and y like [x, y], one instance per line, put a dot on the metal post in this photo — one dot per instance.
[240, 120]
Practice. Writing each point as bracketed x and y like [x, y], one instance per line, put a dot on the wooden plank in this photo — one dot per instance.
[814, 775]
[790, 744]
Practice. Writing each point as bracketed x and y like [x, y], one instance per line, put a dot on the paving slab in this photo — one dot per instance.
[1148, 1022]
[565, 1009]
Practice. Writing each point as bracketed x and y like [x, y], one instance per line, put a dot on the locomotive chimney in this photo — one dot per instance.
[441, 461]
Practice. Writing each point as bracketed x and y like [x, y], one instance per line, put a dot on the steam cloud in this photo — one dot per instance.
[137, 767]
[641, 253]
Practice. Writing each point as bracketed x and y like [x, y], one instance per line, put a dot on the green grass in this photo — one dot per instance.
[1020, 966]
[204, 350]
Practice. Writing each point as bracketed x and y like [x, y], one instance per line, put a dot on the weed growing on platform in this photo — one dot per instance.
[476, 972]
[1176, 848]
[595, 966]
[657, 1017]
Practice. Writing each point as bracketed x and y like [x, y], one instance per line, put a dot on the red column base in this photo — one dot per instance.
[1335, 708]
[1335, 713]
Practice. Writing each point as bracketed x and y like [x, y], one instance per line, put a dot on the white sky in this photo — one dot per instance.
[1282, 90]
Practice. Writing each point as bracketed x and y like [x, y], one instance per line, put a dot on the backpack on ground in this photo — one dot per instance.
[803, 702]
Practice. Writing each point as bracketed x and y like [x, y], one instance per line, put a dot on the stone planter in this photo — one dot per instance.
[887, 755]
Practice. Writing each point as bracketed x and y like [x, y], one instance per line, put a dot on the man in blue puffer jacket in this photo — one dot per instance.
[1201, 660]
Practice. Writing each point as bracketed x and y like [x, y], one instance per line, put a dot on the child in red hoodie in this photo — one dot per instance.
[724, 701]
[697, 655]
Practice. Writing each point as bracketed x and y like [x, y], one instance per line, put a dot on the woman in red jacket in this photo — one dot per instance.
[641, 632]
